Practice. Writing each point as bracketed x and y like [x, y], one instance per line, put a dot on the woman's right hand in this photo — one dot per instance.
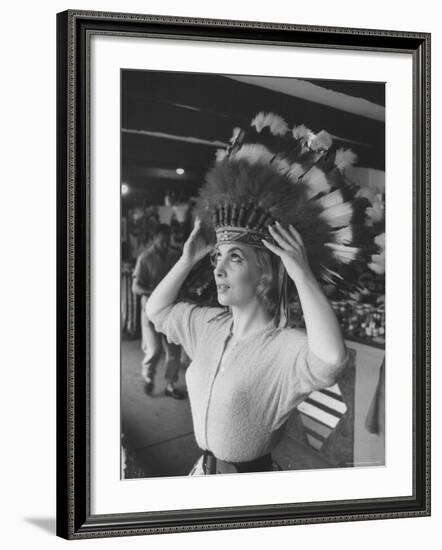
[195, 248]
[166, 292]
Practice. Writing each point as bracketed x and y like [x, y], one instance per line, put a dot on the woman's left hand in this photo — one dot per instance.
[290, 248]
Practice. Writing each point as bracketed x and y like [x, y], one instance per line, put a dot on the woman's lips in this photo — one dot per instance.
[222, 288]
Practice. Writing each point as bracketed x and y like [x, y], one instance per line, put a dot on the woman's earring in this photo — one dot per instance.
[260, 289]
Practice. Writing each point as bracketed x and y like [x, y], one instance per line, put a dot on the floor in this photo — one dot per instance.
[158, 435]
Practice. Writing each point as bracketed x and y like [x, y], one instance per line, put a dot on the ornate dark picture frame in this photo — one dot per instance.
[74, 31]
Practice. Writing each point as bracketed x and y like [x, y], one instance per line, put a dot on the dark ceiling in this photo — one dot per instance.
[208, 107]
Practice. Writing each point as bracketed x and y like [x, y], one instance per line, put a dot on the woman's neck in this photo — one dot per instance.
[249, 319]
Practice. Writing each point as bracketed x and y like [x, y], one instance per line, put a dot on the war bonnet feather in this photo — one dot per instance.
[270, 172]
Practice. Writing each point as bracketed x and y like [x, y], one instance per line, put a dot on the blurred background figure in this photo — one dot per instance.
[152, 265]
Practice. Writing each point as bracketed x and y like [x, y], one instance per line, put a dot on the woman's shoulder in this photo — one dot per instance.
[218, 314]
[289, 338]
[208, 313]
[290, 332]
[186, 323]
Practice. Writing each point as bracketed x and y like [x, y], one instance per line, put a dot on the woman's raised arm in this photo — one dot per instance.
[166, 292]
[323, 330]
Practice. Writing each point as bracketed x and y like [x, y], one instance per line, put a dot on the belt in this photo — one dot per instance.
[213, 465]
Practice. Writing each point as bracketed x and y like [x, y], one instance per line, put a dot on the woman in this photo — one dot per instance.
[248, 370]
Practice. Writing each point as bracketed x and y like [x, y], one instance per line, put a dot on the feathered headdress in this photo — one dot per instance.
[273, 173]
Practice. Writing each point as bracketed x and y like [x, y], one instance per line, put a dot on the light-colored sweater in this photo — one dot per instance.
[239, 413]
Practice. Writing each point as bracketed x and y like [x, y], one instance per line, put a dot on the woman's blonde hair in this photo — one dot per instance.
[268, 287]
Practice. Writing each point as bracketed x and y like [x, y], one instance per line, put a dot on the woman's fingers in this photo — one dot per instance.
[296, 235]
[278, 238]
[196, 228]
[277, 235]
[275, 249]
[286, 234]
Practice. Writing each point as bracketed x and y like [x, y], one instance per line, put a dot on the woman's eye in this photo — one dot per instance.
[215, 258]
[236, 258]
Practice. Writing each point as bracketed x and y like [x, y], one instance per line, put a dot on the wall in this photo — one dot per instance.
[28, 274]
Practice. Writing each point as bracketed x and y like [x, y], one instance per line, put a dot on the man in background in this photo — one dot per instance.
[152, 265]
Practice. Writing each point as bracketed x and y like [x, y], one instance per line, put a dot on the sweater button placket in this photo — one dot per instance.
[217, 365]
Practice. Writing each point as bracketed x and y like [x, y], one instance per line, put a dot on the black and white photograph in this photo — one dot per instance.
[243, 275]
[252, 274]
[233, 255]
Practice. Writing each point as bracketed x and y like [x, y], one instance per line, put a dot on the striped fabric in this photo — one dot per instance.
[320, 413]
[130, 313]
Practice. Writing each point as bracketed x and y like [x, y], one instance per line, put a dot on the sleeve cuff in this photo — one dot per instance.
[326, 370]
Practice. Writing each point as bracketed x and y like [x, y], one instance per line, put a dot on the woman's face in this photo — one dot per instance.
[237, 274]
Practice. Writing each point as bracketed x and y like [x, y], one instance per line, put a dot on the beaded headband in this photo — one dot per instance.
[245, 223]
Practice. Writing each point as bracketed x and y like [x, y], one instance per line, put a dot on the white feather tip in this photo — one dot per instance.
[276, 124]
[343, 253]
[338, 215]
[345, 158]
